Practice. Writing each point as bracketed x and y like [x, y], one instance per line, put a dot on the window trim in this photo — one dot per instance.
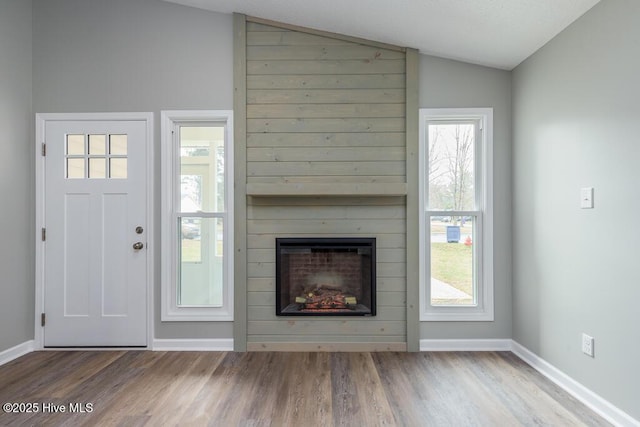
[484, 310]
[170, 311]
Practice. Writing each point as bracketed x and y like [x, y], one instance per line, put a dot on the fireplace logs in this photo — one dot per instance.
[324, 297]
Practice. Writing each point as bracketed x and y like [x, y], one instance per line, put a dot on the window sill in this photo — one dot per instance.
[457, 316]
[187, 315]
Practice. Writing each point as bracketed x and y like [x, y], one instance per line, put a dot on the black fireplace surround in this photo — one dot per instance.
[325, 276]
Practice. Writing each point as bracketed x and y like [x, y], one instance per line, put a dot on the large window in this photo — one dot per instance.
[197, 223]
[456, 224]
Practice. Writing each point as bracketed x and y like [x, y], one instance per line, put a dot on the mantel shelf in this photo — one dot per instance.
[327, 189]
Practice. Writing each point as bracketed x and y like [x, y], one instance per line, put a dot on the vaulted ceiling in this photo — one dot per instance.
[495, 33]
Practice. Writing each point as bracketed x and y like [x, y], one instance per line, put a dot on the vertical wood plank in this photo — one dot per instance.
[240, 175]
[413, 260]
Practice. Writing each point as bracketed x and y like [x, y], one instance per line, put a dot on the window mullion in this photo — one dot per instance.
[452, 213]
[202, 214]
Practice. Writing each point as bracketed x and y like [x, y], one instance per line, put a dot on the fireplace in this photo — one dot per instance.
[325, 277]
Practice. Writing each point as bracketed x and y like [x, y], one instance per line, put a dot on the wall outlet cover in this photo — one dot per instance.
[587, 345]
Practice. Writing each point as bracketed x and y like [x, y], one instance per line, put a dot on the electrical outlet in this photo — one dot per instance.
[587, 345]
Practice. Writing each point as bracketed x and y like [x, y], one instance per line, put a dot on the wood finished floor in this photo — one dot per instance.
[135, 388]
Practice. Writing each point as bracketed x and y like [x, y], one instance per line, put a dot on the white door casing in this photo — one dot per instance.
[94, 284]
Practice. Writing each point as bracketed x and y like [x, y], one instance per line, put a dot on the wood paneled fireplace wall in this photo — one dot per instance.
[321, 152]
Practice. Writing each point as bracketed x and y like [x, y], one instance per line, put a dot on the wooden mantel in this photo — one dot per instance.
[327, 189]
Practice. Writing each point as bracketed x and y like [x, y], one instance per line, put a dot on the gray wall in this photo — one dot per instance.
[576, 109]
[142, 55]
[451, 84]
[16, 175]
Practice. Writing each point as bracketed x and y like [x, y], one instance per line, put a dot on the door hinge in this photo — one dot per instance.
[44, 234]
[43, 319]
[44, 149]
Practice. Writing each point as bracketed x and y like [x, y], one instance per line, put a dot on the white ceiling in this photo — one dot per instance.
[495, 33]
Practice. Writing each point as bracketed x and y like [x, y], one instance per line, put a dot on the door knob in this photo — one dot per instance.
[138, 245]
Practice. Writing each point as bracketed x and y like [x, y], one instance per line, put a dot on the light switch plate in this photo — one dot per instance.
[586, 198]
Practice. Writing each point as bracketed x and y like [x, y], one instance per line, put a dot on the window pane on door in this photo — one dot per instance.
[452, 263]
[451, 161]
[118, 145]
[97, 145]
[118, 168]
[75, 145]
[75, 168]
[97, 168]
[201, 262]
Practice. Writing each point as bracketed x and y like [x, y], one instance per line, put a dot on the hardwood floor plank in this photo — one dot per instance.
[401, 385]
[263, 392]
[181, 392]
[137, 397]
[344, 403]
[508, 396]
[479, 395]
[138, 388]
[369, 391]
[17, 372]
[528, 375]
[102, 388]
[135, 421]
[450, 395]
[306, 394]
[79, 371]
[221, 397]
[98, 389]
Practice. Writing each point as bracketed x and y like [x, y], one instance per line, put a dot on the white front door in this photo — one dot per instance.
[95, 257]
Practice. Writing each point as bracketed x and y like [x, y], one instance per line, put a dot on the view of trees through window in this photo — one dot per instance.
[451, 167]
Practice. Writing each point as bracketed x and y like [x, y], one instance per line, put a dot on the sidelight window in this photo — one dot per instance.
[197, 221]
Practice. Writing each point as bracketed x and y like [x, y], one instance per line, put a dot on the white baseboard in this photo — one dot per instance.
[596, 403]
[466, 345]
[223, 344]
[17, 351]
[327, 346]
